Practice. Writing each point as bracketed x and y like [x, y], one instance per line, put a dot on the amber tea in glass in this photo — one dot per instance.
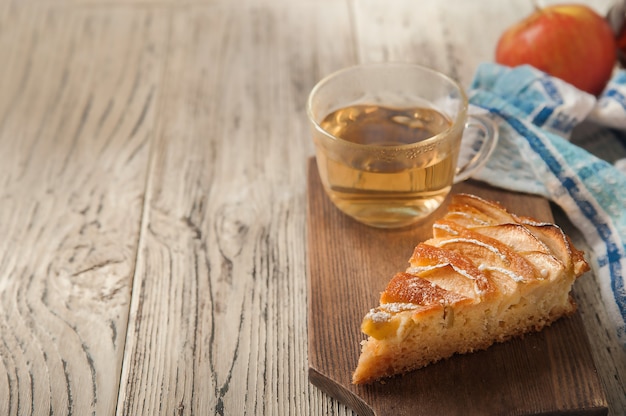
[387, 141]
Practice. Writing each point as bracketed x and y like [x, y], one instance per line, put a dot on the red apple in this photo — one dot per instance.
[571, 42]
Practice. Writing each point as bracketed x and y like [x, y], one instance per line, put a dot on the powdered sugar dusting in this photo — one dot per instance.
[502, 270]
[473, 241]
[385, 311]
[395, 307]
[420, 269]
[378, 316]
[470, 216]
[445, 228]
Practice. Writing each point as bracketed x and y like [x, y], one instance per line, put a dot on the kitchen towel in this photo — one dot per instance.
[536, 114]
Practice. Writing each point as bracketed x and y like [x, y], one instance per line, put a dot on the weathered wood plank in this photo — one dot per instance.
[452, 36]
[218, 319]
[79, 89]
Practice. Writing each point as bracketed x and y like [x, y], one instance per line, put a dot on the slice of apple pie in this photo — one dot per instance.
[486, 275]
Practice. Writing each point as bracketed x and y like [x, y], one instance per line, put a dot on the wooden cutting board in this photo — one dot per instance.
[551, 372]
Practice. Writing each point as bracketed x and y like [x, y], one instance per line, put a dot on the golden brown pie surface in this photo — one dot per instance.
[485, 276]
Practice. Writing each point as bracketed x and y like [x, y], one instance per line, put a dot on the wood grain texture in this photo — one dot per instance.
[78, 97]
[454, 36]
[218, 315]
[153, 194]
[551, 372]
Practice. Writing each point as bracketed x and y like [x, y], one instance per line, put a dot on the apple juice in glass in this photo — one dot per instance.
[387, 140]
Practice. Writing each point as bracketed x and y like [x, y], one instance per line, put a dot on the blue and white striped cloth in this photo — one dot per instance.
[536, 114]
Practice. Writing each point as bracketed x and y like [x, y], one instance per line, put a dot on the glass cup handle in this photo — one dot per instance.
[480, 137]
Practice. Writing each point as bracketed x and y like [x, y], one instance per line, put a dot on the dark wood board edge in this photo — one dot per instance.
[356, 397]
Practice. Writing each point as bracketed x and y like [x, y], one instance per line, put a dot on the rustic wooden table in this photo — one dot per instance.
[153, 159]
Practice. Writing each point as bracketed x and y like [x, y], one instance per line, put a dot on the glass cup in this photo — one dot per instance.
[388, 138]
